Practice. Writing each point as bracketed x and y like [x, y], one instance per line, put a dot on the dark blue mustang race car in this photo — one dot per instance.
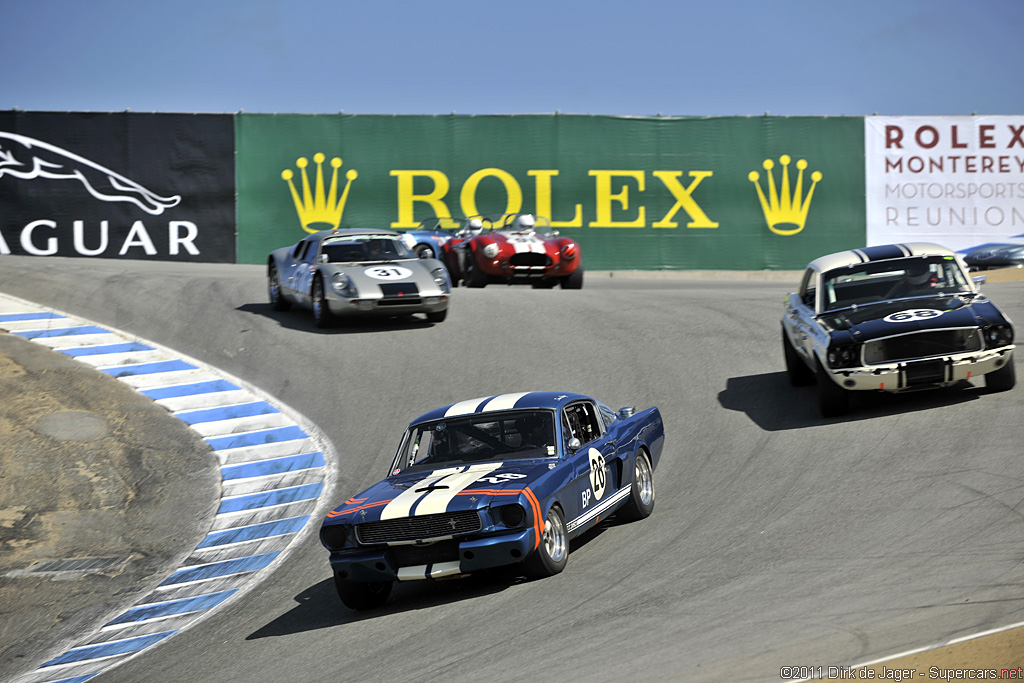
[493, 481]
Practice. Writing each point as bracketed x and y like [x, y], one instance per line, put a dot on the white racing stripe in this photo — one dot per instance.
[465, 407]
[436, 501]
[504, 402]
[403, 502]
[454, 479]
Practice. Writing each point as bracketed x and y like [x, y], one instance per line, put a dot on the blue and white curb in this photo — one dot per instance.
[274, 466]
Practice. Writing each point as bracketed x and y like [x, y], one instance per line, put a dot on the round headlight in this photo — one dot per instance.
[334, 537]
[568, 252]
[512, 516]
[342, 284]
[440, 276]
[491, 250]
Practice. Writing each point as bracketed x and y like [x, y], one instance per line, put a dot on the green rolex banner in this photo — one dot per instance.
[733, 193]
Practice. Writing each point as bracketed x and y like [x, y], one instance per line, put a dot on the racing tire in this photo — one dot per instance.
[833, 400]
[574, 280]
[322, 315]
[437, 316]
[474, 277]
[799, 374]
[277, 302]
[1002, 379]
[424, 251]
[552, 554]
[362, 595]
[640, 503]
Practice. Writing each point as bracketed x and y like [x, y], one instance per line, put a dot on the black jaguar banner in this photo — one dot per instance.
[118, 185]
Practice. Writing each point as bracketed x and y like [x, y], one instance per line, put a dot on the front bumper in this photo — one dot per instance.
[428, 303]
[930, 372]
[451, 559]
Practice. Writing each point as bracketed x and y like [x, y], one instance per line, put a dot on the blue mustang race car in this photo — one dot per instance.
[489, 482]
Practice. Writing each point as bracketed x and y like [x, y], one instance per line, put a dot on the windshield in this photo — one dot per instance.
[484, 437]
[350, 248]
[865, 283]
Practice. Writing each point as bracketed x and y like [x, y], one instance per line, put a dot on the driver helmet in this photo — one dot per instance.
[525, 222]
[475, 224]
[919, 274]
[532, 429]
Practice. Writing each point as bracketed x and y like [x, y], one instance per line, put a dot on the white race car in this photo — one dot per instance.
[893, 318]
[339, 273]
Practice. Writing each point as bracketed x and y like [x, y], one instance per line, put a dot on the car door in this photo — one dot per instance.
[592, 479]
[301, 280]
[800, 318]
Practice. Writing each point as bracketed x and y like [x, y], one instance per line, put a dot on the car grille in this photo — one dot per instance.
[419, 528]
[400, 301]
[415, 555]
[529, 258]
[922, 345]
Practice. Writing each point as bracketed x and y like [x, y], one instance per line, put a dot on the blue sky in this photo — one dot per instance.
[637, 58]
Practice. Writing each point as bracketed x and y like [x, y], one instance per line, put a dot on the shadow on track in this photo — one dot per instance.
[320, 607]
[773, 405]
[301, 320]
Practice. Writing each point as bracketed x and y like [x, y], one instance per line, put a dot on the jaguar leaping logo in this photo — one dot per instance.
[27, 158]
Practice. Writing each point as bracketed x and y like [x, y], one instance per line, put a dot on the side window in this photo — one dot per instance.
[807, 288]
[581, 420]
[300, 250]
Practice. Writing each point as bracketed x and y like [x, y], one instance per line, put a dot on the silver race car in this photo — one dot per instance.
[339, 273]
[893, 318]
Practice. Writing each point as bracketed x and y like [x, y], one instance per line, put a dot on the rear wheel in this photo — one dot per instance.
[474, 277]
[799, 374]
[1002, 379]
[833, 400]
[322, 315]
[641, 492]
[277, 302]
[424, 251]
[362, 595]
[552, 554]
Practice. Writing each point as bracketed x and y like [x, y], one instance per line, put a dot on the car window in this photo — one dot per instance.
[484, 437]
[808, 288]
[893, 279]
[581, 421]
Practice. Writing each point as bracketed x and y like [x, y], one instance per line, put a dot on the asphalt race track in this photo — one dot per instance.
[779, 538]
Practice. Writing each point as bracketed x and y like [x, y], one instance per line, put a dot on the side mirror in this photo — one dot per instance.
[979, 280]
[322, 258]
[574, 444]
[626, 412]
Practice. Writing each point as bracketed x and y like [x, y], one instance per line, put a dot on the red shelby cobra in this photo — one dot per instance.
[512, 248]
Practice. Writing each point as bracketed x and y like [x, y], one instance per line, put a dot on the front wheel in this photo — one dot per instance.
[437, 316]
[424, 251]
[833, 400]
[1002, 379]
[641, 492]
[322, 315]
[574, 280]
[362, 595]
[552, 554]
[799, 374]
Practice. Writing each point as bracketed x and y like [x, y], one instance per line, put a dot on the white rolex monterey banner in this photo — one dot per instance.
[957, 181]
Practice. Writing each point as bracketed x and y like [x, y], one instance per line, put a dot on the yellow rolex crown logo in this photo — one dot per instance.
[315, 205]
[785, 212]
